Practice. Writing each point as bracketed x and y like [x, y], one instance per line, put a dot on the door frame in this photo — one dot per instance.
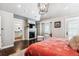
[0, 32]
[66, 25]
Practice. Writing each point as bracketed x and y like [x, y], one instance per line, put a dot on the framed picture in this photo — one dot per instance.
[57, 24]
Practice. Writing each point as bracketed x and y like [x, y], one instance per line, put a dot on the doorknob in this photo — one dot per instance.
[66, 33]
[2, 28]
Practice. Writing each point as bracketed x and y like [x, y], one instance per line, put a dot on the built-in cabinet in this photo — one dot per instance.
[24, 29]
[31, 29]
[8, 27]
[19, 29]
[6, 30]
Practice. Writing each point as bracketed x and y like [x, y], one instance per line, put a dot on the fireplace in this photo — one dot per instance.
[31, 34]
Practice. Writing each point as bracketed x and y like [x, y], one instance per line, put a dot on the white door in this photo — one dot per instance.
[0, 31]
[47, 30]
[7, 35]
[73, 28]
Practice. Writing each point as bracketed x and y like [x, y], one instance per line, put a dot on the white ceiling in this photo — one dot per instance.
[30, 10]
[63, 9]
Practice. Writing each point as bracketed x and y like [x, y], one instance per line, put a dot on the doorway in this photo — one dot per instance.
[47, 29]
[72, 27]
[19, 29]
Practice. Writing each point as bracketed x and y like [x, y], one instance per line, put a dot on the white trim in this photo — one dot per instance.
[0, 31]
[7, 46]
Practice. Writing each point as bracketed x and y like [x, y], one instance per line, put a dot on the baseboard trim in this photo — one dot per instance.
[7, 46]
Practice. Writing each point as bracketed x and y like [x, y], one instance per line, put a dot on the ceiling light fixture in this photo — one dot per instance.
[19, 6]
[65, 8]
[43, 8]
[33, 12]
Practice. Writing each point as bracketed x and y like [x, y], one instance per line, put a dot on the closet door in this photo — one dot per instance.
[47, 30]
[7, 34]
[73, 28]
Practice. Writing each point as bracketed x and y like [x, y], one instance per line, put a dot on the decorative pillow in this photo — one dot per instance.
[74, 43]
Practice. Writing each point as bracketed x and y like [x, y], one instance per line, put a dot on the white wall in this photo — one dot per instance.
[7, 37]
[59, 32]
[56, 32]
[31, 21]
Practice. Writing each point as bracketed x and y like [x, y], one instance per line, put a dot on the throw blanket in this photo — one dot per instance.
[51, 47]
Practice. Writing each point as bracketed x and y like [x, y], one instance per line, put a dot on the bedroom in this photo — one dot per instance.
[42, 25]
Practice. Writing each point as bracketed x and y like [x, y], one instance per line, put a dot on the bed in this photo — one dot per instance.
[51, 47]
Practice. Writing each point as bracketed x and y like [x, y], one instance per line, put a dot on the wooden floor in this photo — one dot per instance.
[19, 53]
[18, 46]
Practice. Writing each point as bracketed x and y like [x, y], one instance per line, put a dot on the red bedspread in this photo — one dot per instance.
[51, 47]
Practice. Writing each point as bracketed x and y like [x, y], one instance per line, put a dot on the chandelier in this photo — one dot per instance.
[43, 8]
